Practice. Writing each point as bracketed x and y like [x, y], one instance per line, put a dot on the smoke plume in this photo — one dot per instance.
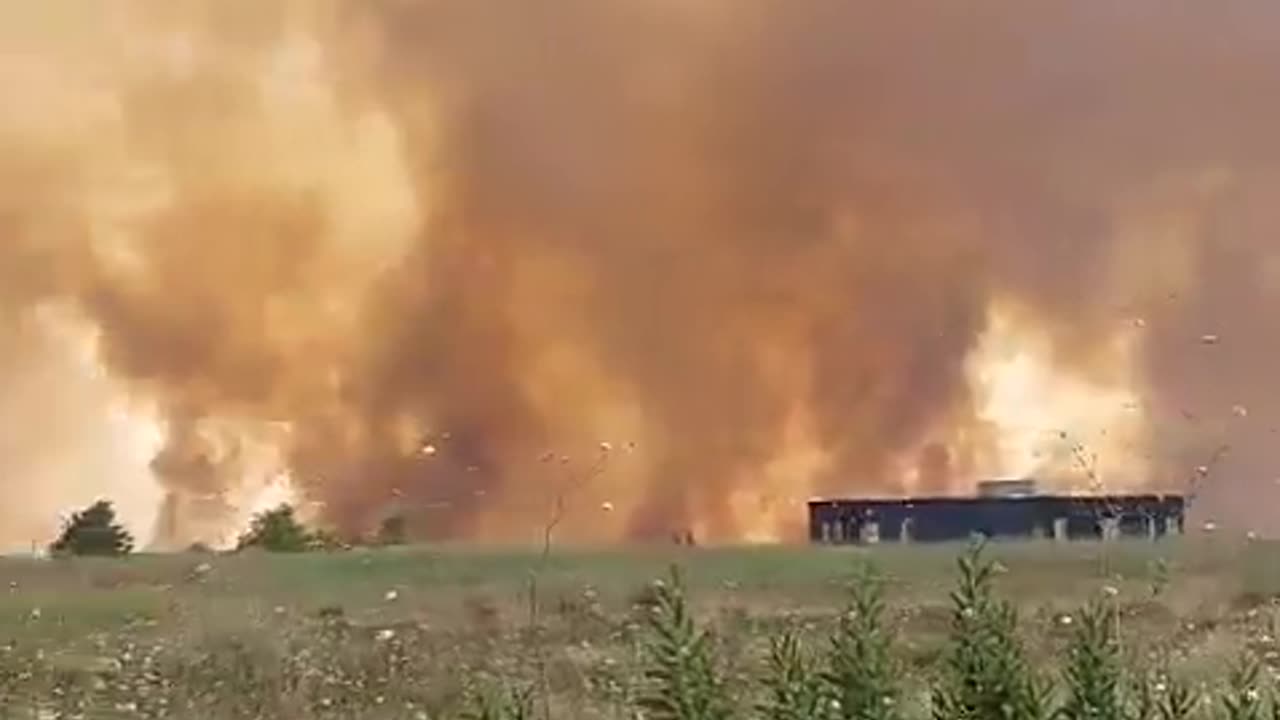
[431, 255]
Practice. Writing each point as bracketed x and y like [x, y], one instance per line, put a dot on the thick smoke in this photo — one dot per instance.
[400, 251]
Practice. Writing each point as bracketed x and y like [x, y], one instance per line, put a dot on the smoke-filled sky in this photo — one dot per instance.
[397, 252]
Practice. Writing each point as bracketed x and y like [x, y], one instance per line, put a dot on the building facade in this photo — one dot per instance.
[995, 514]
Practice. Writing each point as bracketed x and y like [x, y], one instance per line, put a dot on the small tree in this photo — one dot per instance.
[93, 531]
[393, 530]
[986, 675]
[681, 674]
[793, 686]
[1094, 671]
[277, 530]
[860, 672]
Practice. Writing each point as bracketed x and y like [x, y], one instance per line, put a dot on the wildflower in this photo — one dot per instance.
[606, 447]
[391, 596]
[385, 634]
[1110, 591]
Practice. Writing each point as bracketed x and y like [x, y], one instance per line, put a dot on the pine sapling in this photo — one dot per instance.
[793, 684]
[500, 703]
[681, 678]
[1176, 699]
[985, 674]
[1143, 699]
[1243, 697]
[860, 674]
[1093, 673]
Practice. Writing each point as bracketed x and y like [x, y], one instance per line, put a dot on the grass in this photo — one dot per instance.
[771, 632]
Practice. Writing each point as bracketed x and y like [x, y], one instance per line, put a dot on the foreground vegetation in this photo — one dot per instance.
[1130, 630]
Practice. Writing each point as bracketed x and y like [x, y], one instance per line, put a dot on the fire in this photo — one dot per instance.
[252, 252]
[1078, 433]
[72, 435]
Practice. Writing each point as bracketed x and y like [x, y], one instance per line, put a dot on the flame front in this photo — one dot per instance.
[262, 251]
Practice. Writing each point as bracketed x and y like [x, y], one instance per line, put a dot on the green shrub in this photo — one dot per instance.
[93, 531]
[279, 531]
[1243, 699]
[793, 684]
[860, 674]
[681, 678]
[1094, 669]
[985, 675]
[393, 531]
[500, 703]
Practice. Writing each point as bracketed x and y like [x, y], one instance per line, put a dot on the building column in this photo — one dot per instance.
[871, 533]
[1060, 530]
[1110, 528]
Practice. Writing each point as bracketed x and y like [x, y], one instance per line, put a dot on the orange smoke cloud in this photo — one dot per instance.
[784, 249]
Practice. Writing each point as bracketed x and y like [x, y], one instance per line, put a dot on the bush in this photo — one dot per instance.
[1094, 669]
[683, 683]
[986, 674]
[393, 531]
[860, 675]
[793, 685]
[278, 531]
[93, 531]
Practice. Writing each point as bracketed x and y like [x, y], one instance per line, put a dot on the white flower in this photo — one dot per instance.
[606, 506]
[385, 634]
[391, 596]
[606, 447]
[429, 450]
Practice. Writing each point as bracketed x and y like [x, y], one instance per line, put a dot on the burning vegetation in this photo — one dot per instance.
[385, 253]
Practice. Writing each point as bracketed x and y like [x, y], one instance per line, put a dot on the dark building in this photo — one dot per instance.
[1002, 509]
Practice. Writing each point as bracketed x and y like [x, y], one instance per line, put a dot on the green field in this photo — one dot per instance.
[407, 633]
